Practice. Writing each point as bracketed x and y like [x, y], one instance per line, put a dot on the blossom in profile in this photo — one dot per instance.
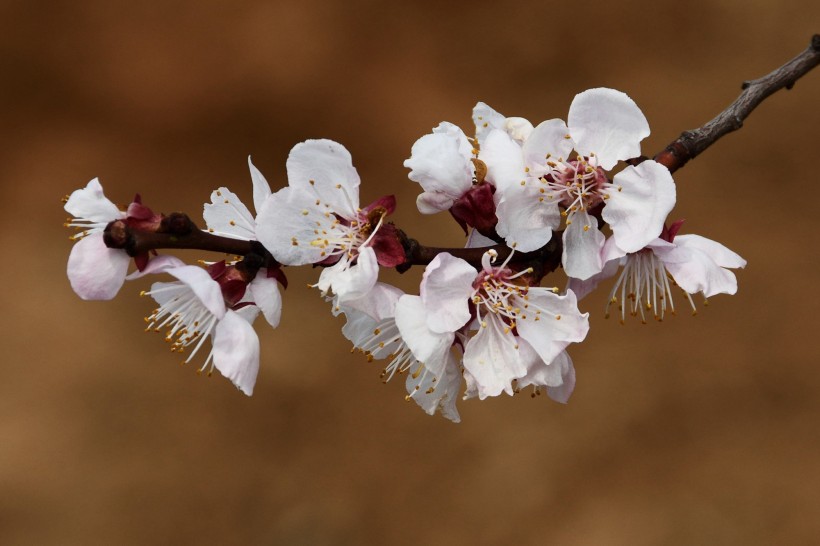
[217, 303]
[95, 271]
[645, 284]
[228, 216]
[458, 173]
[604, 126]
[316, 219]
[371, 327]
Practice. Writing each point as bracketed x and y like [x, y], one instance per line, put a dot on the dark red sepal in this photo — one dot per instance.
[476, 209]
[387, 246]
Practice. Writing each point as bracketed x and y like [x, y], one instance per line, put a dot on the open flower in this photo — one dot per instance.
[228, 216]
[604, 127]
[519, 327]
[316, 219]
[95, 271]
[216, 303]
[644, 286]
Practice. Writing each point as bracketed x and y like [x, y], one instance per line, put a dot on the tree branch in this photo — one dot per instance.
[691, 143]
[178, 231]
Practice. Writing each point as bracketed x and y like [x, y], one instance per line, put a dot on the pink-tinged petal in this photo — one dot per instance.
[611, 256]
[433, 202]
[445, 291]
[716, 251]
[349, 282]
[261, 188]
[551, 322]
[526, 218]
[228, 216]
[492, 358]
[695, 270]
[562, 392]
[539, 373]
[265, 293]
[640, 199]
[430, 348]
[327, 167]
[504, 160]
[548, 139]
[160, 264]
[203, 286]
[582, 247]
[438, 162]
[95, 271]
[287, 224]
[236, 351]
[433, 393]
[607, 123]
[486, 119]
[90, 203]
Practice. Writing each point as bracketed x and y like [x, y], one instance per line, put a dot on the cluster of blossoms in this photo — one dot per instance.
[481, 323]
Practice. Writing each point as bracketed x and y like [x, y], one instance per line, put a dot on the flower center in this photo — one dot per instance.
[577, 183]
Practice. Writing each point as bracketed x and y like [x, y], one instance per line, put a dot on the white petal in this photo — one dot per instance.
[157, 265]
[539, 373]
[291, 216]
[95, 271]
[429, 348]
[477, 240]
[379, 303]
[640, 199]
[582, 247]
[261, 188]
[562, 392]
[90, 203]
[486, 119]
[265, 293]
[350, 282]
[491, 357]
[433, 393]
[716, 251]
[203, 286]
[330, 168]
[431, 202]
[548, 139]
[518, 128]
[694, 268]
[438, 163]
[608, 123]
[611, 256]
[236, 351]
[526, 217]
[228, 216]
[445, 290]
[557, 325]
[504, 160]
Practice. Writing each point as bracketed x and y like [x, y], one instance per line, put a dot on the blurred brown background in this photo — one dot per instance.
[701, 430]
